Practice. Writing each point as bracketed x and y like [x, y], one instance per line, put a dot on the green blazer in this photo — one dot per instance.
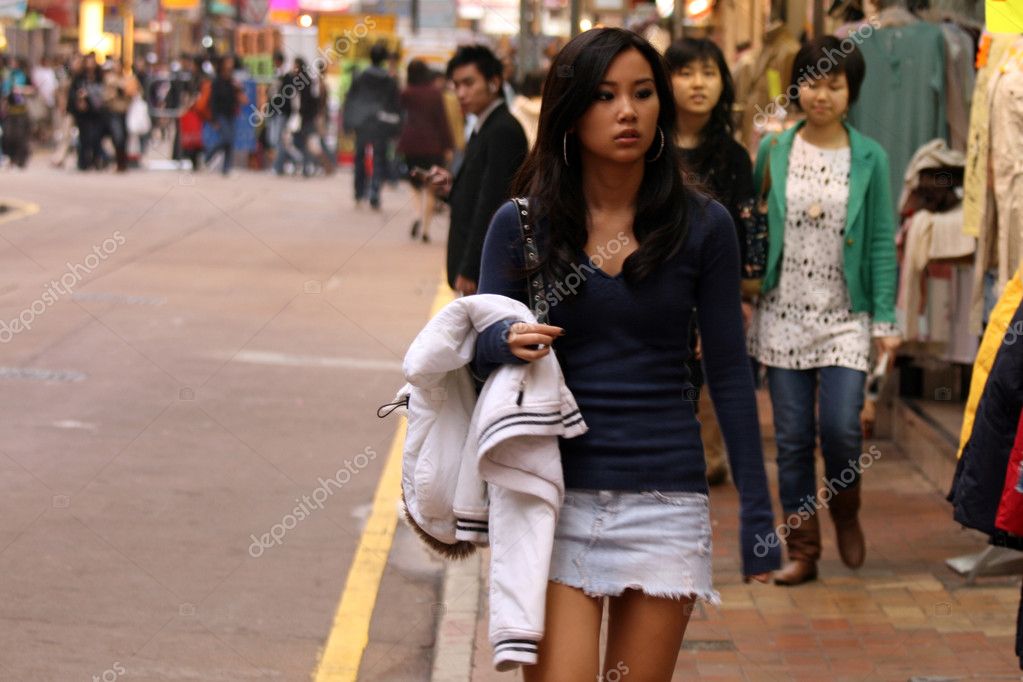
[869, 249]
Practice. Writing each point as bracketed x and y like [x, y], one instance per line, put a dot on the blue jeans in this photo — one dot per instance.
[794, 399]
[225, 142]
[301, 139]
[379, 144]
[276, 127]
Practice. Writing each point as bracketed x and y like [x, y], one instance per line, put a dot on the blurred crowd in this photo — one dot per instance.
[98, 116]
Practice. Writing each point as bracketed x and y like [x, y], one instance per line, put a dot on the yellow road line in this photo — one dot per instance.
[19, 209]
[349, 634]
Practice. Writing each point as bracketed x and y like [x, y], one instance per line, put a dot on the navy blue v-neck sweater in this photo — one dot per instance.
[624, 355]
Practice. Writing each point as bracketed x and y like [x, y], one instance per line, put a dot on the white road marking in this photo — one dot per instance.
[258, 357]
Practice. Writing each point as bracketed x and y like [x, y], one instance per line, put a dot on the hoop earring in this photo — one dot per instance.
[661, 150]
[564, 148]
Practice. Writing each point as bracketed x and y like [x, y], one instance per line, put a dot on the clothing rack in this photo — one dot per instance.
[991, 562]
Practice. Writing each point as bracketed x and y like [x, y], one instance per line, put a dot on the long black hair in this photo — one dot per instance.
[556, 188]
[686, 51]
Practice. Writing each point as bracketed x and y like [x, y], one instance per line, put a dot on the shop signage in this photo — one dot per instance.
[180, 4]
[13, 9]
[283, 11]
[254, 11]
[224, 8]
[337, 29]
[324, 5]
[145, 10]
[1004, 16]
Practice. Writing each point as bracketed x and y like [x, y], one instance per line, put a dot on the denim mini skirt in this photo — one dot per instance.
[608, 541]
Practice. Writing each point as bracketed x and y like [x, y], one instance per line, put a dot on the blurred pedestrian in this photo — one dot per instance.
[526, 105]
[119, 88]
[625, 252]
[704, 96]
[326, 153]
[279, 96]
[225, 101]
[371, 111]
[86, 105]
[425, 139]
[493, 154]
[828, 290]
[44, 80]
[308, 109]
[63, 136]
[15, 91]
[453, 110]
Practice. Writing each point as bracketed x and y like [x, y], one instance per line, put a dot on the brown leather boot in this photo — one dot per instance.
[804, 548]
[845, 509]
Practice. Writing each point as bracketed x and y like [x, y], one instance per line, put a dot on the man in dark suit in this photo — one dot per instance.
[496, 148]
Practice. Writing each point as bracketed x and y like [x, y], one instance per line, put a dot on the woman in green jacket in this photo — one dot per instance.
[829, 288]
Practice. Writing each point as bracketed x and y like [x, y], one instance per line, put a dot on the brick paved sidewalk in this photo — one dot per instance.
[903, 616]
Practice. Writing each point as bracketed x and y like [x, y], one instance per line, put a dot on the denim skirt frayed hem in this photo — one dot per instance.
[608, 541]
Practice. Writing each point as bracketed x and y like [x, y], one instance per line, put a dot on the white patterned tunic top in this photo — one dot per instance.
[805, 322]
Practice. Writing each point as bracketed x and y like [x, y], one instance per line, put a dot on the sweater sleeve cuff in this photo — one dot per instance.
[492, 349]
[879, 329]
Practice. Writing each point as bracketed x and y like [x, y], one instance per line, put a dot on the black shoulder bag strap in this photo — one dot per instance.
[534, 285]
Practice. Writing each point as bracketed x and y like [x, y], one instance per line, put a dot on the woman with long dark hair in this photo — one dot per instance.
[704, 95]
[626, 253]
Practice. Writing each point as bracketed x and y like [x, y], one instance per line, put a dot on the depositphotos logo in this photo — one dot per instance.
[308, 503]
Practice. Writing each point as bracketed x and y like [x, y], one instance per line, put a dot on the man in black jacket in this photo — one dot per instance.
[371, 110]
[496, 148]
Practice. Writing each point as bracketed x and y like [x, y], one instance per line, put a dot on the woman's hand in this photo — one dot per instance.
[440, 180]
[532, 341]
[747, 315]
[465, 286]
[888, 344]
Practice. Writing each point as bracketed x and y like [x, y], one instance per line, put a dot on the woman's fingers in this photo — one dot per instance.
[527, 328]
[530, 339]
[530, 355]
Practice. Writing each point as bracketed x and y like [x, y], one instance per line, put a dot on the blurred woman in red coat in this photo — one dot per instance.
[425, 138]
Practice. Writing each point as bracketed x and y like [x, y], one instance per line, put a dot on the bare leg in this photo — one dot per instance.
[570, 649]
[429, 199]
[644, 637]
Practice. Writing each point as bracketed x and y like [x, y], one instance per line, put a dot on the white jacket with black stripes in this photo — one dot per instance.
[488, 468]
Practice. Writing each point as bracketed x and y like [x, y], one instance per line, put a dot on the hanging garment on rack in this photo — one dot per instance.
[994, 337]
[929, 236]
[754, 91]
[902, 99]
[963, 343]
[980, 472]
[959, 79]
[1007, 165]
[1010, 511]
[1019, 630]
[976, 180]
[933, 154]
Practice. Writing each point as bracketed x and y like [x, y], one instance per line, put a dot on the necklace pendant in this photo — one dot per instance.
[815, 211]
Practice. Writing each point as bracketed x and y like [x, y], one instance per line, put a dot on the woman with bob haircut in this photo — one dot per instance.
[626, 253]
[829, 288]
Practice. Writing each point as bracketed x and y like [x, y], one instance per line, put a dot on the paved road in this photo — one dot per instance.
[203, 355]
